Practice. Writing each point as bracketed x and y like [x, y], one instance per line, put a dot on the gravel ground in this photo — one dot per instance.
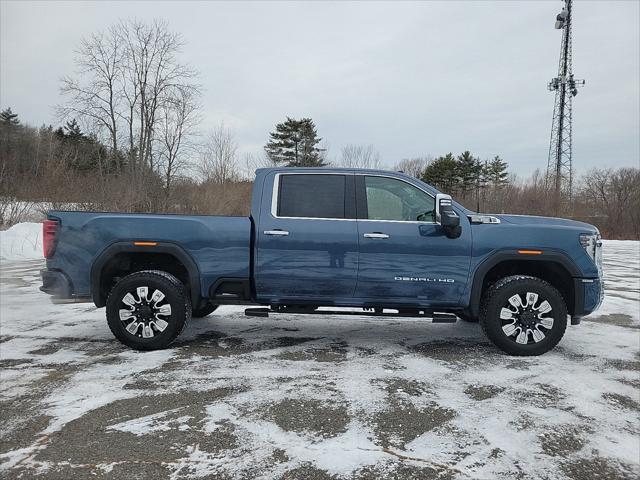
[315, 397]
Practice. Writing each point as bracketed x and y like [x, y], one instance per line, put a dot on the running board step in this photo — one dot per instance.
[257, 312]
[444, 318]
[435, 317]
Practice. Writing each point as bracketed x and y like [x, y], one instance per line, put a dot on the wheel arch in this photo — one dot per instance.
[553, 267]
[126, 257]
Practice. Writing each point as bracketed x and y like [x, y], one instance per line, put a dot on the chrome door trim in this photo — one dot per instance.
[274, 196]
[276, 185]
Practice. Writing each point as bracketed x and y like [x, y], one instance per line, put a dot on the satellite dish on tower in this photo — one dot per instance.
[561, 19]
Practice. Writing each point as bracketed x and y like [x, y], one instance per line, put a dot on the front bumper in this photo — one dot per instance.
[589, 293]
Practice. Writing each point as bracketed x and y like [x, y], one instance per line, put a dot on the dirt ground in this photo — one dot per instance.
[309, 397]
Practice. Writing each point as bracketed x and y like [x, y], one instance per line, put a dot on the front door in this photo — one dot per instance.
[307, 238]
[405, 257]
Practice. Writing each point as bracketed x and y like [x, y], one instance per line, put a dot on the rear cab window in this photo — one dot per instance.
[315, 196]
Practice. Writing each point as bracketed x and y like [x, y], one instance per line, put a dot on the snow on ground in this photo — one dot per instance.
[622, 271]
[21, 242]
[304, 397]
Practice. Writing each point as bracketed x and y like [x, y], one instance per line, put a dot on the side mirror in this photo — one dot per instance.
[446, 216]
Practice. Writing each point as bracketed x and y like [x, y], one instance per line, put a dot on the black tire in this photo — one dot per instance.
[175, 295]
[523, 320]
[204, 311]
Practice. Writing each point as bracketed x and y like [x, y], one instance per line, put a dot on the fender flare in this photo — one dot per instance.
[128, 247]
[506, 255]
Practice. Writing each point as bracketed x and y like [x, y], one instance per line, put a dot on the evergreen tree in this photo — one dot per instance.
[496, 172]
[442, 173]
[466, 176]
[294, 144]
[72, 130]
[7, 117]
[85, 153]
[470, 172]
[481, 184]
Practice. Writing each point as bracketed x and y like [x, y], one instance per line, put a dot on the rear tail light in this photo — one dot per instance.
[49, 232]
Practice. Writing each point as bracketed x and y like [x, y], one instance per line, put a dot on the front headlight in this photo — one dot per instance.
[592, 243]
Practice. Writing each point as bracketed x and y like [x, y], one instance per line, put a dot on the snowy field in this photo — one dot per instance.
[304, 397]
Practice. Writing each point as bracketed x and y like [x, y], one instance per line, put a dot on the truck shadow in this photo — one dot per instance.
[309, 337]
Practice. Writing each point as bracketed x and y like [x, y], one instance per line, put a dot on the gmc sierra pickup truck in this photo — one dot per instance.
[382, 242]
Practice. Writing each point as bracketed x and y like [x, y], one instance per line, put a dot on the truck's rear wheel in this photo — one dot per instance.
[204, 311]
[523, 315]
[148, 310]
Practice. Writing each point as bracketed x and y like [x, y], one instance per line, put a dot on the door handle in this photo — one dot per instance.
[279, 233]
[375, 235]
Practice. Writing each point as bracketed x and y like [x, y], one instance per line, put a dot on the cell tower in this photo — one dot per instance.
[559, 166]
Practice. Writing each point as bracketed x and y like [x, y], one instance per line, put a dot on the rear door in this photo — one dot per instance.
[405, 257]
[307, 238]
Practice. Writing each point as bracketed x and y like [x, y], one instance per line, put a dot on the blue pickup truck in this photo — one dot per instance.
[382, 242]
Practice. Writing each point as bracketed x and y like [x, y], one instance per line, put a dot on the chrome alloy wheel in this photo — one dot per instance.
[142, 315]
[524, 321]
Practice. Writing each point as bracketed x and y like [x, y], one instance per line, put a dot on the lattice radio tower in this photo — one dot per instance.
[559, 165]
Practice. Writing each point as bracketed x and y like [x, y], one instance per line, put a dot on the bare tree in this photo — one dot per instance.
[252, 161]
[152, 71]
[360, 156]
[177, 129]
[219, 156]
[93, 95]
[413, 166]
[127, 83]
[614, 195]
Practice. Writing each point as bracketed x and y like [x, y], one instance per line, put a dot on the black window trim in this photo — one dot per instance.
[350, 213]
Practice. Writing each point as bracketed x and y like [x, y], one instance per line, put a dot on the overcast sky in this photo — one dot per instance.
[410, 78]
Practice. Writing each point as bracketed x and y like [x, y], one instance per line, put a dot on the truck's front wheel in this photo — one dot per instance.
[523, 315]
[148, 310]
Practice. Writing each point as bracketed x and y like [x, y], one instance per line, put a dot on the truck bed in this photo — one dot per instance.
[219, 246]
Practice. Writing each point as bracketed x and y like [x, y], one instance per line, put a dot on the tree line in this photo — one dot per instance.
[129, 140]
[68, 168]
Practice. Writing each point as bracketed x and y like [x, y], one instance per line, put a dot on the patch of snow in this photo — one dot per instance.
[23, 241]
[620, 257]
[342, 453]
[15, 457]
[151, 423]
[18, 381]
[78, 396]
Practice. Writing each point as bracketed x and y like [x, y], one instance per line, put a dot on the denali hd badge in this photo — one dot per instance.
[424, 279]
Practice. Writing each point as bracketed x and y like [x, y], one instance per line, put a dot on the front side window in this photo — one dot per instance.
[392, 199]
[311, 196]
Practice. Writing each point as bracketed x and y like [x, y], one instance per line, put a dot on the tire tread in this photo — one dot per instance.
[180, 290]
[494, 290]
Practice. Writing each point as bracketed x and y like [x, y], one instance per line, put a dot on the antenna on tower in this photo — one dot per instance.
[559, 164]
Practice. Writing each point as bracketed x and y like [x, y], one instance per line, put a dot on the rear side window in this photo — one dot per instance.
[312, 196]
